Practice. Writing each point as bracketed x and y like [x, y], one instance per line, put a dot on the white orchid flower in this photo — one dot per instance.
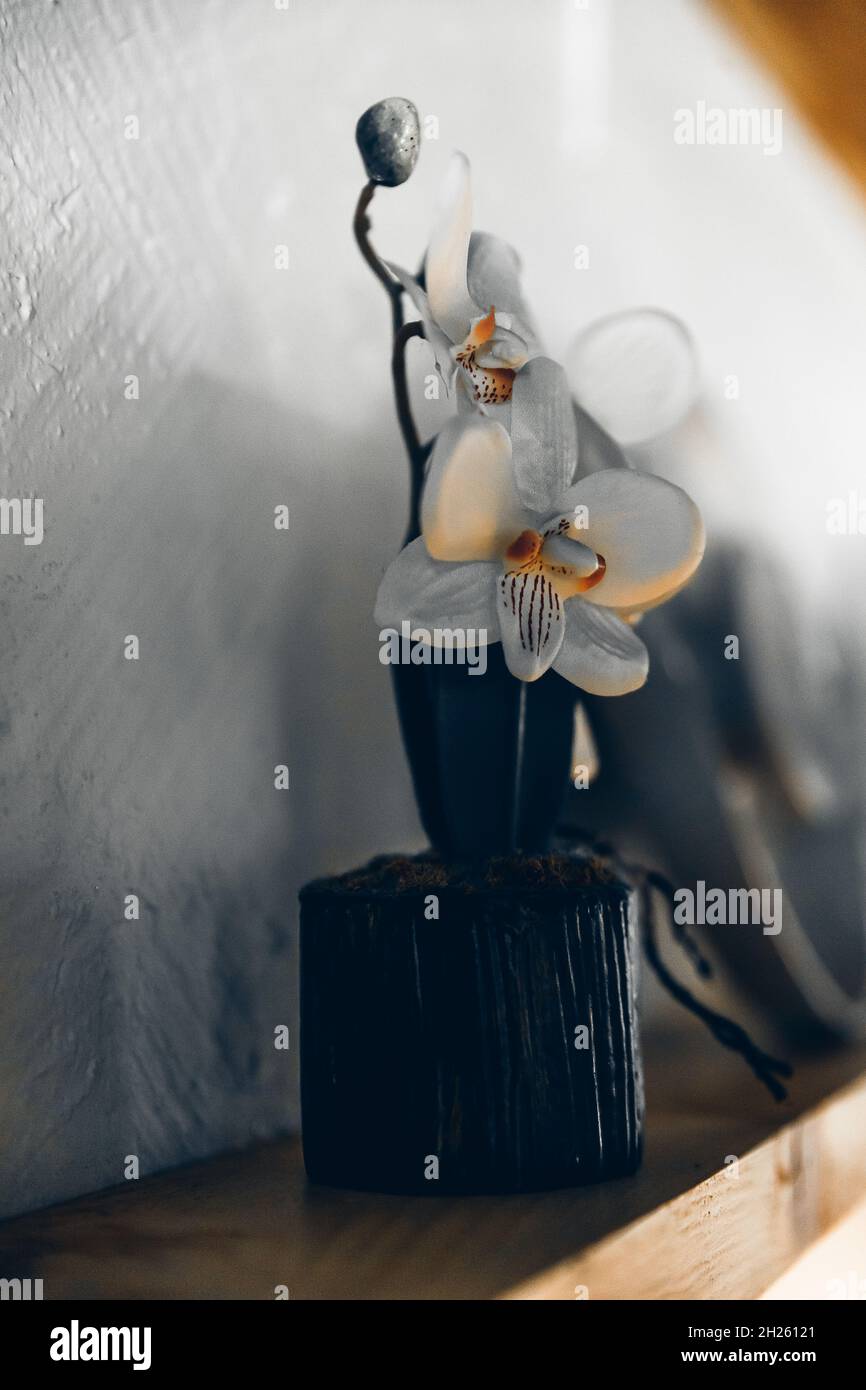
[509, 544]
[481, 342]
[555, 580]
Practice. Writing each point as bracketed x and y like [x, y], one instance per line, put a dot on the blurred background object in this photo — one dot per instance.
[728, 773]
[758, 681]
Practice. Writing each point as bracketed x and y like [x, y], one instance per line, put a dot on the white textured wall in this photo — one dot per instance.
[155, 256]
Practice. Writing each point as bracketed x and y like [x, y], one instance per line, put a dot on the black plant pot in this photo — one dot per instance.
[490, 755]
[490, 1048]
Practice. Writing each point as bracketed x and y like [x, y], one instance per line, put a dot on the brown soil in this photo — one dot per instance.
[426, 872]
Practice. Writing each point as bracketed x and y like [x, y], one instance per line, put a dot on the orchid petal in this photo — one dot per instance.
[599, 653]
[470, 509]
[493, 275]
[635, 372]
[433, 595]
[448, 253]
[531, 621]
[648, 531]
[543, 433]
[439, 343]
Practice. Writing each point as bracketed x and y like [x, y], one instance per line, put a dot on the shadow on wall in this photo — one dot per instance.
[155, 777]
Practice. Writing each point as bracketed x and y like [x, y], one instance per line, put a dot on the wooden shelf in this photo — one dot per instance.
[817, 51]
[689, 1226]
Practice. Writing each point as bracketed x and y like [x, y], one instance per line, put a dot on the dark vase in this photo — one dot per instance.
[491, 1048]
[490, 755]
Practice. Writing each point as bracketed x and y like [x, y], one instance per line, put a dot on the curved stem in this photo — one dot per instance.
[361, 227]
[414, 448]
[402, 333]
[398, 368]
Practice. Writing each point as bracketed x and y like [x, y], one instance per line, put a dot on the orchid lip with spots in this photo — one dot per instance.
[501, 546]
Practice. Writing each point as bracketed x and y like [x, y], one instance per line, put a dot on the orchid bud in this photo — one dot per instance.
[389, 137]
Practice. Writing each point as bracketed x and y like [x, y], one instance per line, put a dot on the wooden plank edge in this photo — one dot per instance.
[737, 1231]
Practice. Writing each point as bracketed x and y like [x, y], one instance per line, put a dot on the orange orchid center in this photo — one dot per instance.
[525, 548]
[526, 552]
[595, 578]
[482, 332]
[489, 385]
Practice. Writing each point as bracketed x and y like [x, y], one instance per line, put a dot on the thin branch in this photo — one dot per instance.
[402, 334]
[361, 227]
[401, 390]
[414, 448]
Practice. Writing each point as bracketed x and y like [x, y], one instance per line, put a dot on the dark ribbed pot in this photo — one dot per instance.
[438, 1053]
